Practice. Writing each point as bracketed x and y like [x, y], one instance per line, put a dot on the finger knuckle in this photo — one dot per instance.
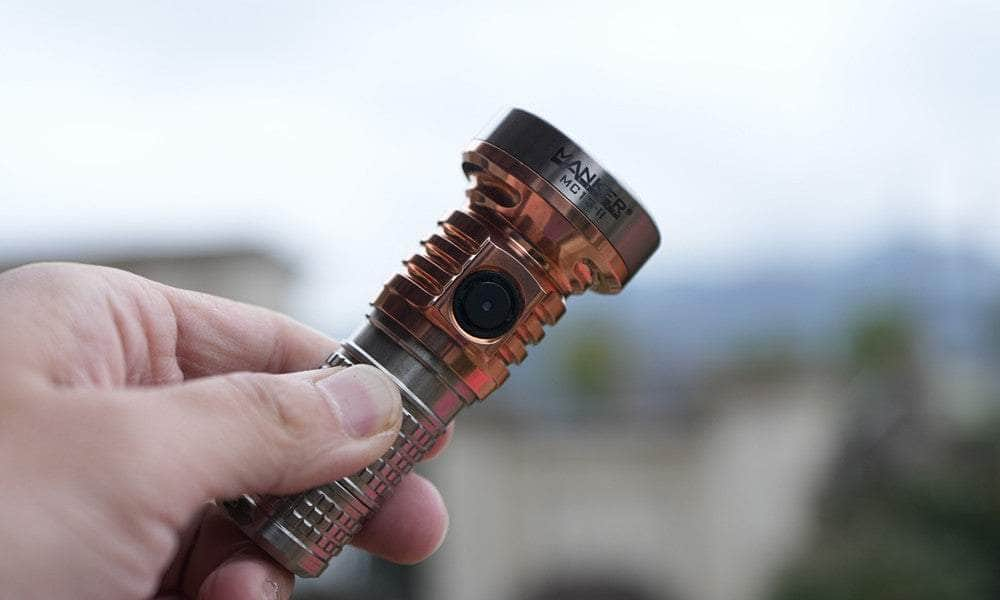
[278, 409]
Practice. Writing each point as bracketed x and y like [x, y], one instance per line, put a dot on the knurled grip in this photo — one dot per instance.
[304, 531]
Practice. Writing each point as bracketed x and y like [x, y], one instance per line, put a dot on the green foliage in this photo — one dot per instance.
[930, 533]
[589, 364]
[765, 359]
[993, 328]
[594, 362]
[882, 339]
[883, 559]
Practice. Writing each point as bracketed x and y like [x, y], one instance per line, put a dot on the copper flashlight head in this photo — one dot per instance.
[520, 161]
[544, 221]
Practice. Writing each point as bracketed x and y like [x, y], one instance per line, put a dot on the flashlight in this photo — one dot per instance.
[543, 221]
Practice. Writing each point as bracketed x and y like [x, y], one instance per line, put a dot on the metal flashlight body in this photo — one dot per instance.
[544, 221]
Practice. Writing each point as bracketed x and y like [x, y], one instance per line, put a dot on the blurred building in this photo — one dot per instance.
[659, 510]
[243, 273]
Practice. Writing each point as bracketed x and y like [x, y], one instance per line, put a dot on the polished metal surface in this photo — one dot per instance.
[547, 217]
[592, 189]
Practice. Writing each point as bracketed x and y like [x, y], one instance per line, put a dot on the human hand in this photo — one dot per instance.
[126, 406]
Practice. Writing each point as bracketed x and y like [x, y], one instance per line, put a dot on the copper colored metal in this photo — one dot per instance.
[546, 221]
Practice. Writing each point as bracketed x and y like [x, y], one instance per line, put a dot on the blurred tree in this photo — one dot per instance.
[765, 358]
[931, 535]
[912, 511]
[993, 330]
[882, 340]
[880, 560]
[596, 364]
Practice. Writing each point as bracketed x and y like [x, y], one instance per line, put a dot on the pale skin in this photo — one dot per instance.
[127, 407]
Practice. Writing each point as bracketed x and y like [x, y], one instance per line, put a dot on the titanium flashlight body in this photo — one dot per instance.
[544, 221]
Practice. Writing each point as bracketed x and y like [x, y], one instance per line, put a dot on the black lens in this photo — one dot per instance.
[487, 304]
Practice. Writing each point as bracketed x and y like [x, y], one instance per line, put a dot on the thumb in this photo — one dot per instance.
[275, 434]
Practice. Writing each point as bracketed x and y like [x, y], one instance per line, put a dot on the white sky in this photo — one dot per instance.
[332, 131]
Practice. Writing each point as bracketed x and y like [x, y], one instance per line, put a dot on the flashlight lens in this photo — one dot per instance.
[487, 304]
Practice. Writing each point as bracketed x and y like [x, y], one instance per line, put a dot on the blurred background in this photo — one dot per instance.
[795, 399]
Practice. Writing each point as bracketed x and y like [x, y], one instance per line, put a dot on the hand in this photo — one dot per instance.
[126, 406]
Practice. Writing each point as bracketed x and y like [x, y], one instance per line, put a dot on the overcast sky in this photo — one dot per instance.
[332, 131]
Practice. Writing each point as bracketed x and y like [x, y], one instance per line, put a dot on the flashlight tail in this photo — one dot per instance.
[303, 532]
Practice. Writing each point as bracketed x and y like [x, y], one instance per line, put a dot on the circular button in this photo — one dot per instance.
[487, 304]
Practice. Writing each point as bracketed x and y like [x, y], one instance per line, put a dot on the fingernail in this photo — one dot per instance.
[366, 401]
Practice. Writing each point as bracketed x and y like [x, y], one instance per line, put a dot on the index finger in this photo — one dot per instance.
[216, 335]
